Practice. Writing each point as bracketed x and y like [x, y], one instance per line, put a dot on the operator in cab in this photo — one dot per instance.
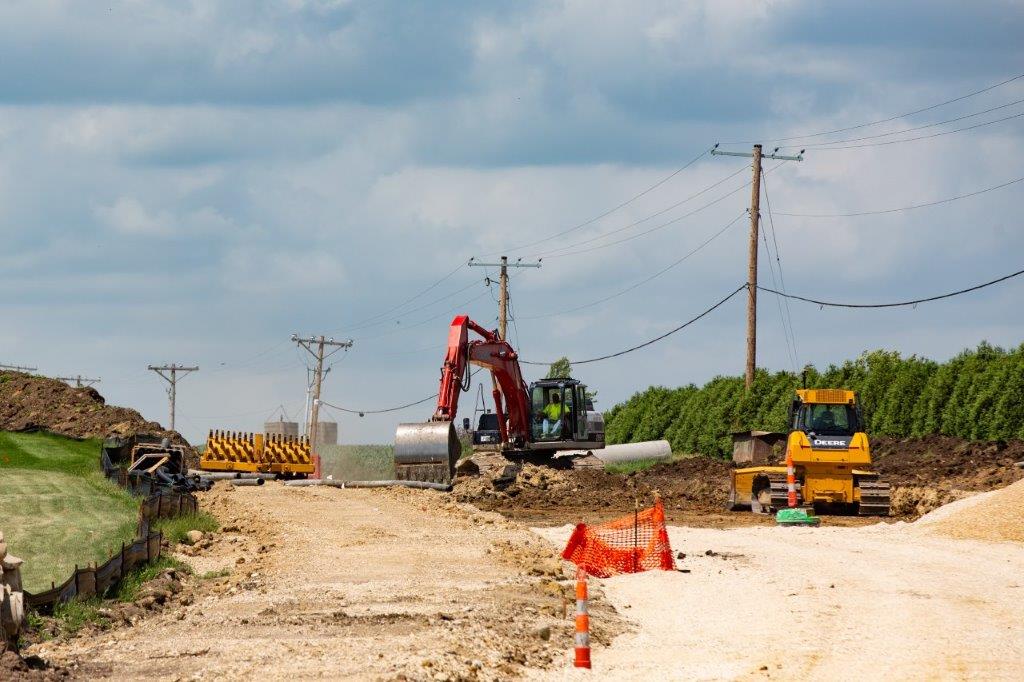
[552, 425]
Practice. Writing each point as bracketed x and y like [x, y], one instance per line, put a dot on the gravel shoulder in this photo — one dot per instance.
[889, 601]
[356, 584]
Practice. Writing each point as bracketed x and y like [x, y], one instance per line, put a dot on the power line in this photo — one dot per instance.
[412, 311]
[607, 213]
[889, 119]
[782, 279]
[831, 304]
[778, 300]
[652, 341]
[921, 137]
[659, 213]
[388, 409]
[817, 145]
[675, 263]
[572, 251]
[904, 208]
[356, 325]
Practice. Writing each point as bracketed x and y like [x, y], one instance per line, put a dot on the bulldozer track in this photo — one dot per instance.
[780, 492]
[874, 498]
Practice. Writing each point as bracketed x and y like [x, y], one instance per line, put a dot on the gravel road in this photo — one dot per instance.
[889, 601]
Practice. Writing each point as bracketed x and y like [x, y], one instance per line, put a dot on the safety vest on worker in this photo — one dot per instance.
[553, 411]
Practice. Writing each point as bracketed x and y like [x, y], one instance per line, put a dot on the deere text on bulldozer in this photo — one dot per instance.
[832, 457]
[541, 419]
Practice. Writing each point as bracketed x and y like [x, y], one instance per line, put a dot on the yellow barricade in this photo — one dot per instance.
[287, 454]
[235, 451]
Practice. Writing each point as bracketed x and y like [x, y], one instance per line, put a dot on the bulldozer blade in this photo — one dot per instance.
[426, 451]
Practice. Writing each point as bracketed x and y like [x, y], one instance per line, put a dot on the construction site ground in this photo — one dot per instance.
[396, 584]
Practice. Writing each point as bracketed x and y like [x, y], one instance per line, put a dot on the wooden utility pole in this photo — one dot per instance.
[80, 381]
[504, 265]
[315, 346]
[755, 217]
[172, 380]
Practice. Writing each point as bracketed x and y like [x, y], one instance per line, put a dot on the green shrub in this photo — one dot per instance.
[979, 395]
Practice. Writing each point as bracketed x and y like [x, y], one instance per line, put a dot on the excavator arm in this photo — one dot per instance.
[493, 354]
[428, 451]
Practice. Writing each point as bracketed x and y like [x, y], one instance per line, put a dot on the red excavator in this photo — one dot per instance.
[533, 421]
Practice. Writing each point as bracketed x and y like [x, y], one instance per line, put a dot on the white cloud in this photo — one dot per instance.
[128, 216]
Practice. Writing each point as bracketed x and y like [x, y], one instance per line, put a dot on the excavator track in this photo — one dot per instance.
[874, 498]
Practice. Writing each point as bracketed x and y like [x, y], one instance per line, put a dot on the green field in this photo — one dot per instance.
[56, 509]
[357, 462]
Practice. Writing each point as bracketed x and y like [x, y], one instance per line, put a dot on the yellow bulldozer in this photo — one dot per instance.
[832, 458]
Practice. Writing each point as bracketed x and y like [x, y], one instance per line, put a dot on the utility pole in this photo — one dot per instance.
[503, 282]
[755, 217]
[315, 346]
[19, 368]
[172, 379]
[80, 381]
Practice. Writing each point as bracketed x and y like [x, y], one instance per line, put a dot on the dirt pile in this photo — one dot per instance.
[33, 403]
[687, 486]
[926, 473]
[995, 516]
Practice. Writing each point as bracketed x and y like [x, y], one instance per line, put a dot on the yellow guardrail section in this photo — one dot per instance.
[256, 452]
[287, 454]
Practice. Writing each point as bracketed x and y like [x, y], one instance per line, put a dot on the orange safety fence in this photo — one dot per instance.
[630, 544]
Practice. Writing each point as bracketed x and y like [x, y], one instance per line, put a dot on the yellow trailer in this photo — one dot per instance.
[832, 458]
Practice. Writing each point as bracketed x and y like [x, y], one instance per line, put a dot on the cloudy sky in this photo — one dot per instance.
[193, 182]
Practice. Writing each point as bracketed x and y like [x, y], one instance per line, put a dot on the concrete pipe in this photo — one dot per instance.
[303, 482]
[248, 481]
[629, 452]
[420, 485]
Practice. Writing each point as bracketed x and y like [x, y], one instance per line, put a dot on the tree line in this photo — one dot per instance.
[977, 395]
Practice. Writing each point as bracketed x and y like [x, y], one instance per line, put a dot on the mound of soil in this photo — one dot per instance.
[688, 486]
[926, 473]
[34, 403]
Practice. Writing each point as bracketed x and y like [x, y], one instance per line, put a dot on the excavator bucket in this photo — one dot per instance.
[426, 451]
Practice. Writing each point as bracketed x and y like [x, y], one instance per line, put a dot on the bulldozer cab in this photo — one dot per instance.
[558, 411]
[825, 412]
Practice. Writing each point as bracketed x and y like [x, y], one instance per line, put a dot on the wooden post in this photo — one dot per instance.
[755, 207]
[503, 300]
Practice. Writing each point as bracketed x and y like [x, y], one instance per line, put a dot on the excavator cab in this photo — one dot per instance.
[558, 415]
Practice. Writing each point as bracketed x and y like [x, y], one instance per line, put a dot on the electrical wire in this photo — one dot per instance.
[782, 279]
[650, 342]
[921, 137]
[662, 211]
[787, 332]
[659, 273]
[412, 311]
[390, 409]
[607, 213]
[408, 300]
[886, 120]
[904, 208]
[817, 145]
[573, 251]
[832, 304]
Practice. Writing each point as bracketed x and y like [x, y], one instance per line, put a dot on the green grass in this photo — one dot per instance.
[176, 528]
[358, 462]
[631, 467]
[74, 615]
[56, 509]
[128, 589]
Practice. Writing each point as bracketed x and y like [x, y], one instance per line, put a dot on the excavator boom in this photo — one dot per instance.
[429, 450]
